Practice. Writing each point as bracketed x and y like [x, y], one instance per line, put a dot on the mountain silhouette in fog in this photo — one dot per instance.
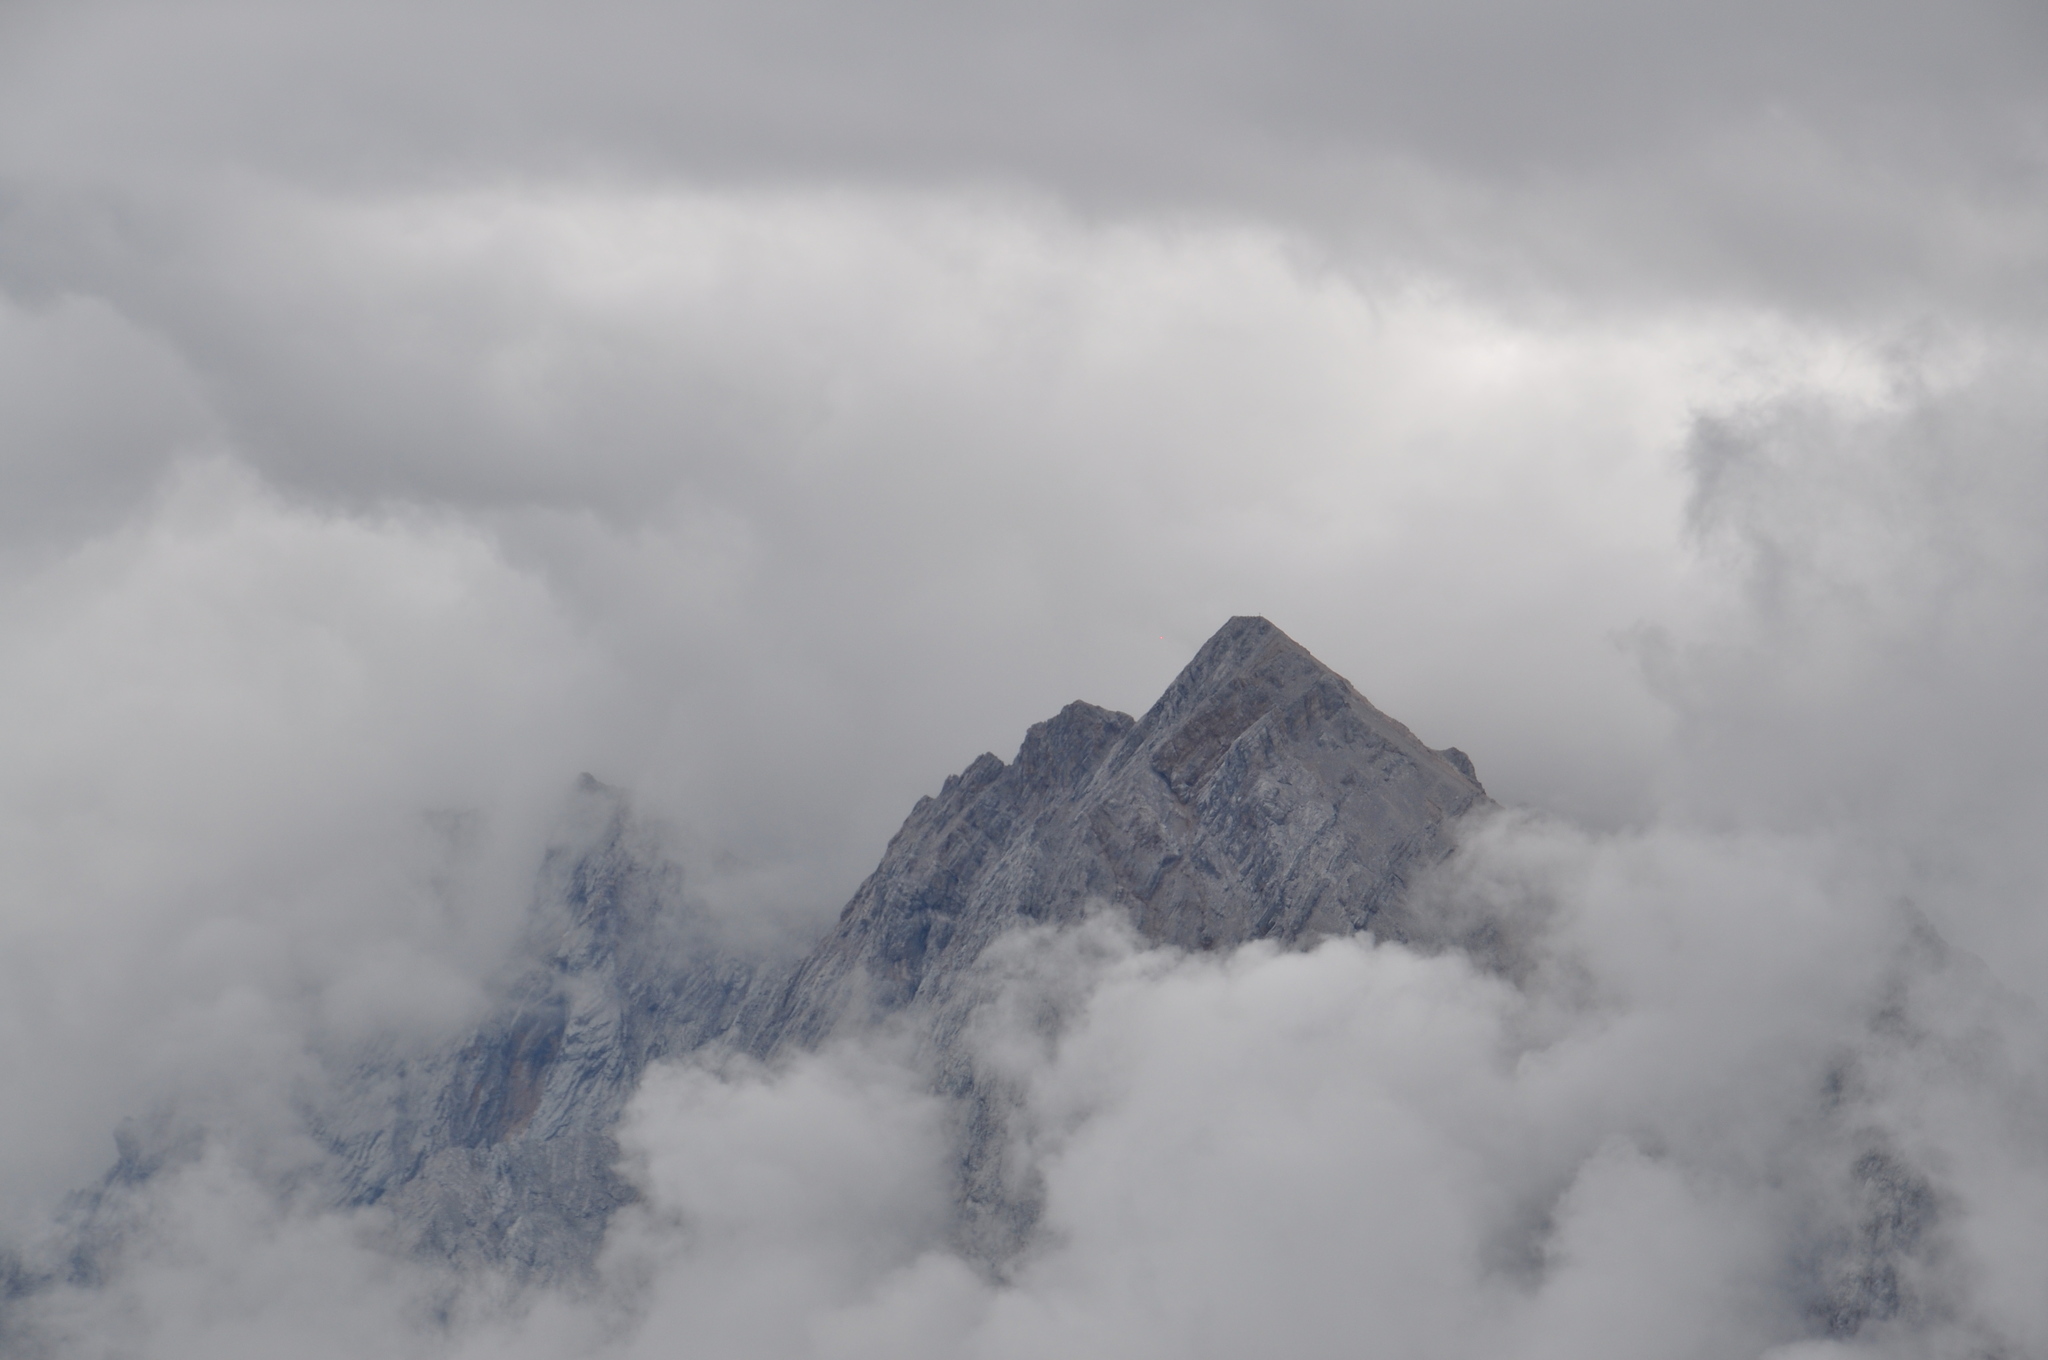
[1261, 798]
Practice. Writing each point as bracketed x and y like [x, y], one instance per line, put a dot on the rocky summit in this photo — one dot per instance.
[1261, 798]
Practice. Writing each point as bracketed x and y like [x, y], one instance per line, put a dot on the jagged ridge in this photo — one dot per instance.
[1262, 797]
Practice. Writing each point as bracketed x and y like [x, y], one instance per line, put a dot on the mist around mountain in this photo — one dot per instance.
[1252, 1021]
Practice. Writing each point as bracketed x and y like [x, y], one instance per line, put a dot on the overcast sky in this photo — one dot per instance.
[768, 407]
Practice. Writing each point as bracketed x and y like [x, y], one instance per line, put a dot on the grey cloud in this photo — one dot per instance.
[1833, 152]
[1878, 669]
[759, 443]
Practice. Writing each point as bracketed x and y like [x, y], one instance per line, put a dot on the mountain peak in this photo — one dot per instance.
[1246, 654]
[1262, 797]
[1246, 626]
[1246, 642]
[1248, 670]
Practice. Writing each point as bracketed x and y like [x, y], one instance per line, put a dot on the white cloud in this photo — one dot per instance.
[766, 444]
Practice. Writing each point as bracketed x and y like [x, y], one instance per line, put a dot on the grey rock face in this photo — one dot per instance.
[1262, 797]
